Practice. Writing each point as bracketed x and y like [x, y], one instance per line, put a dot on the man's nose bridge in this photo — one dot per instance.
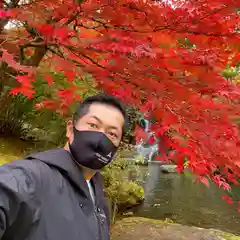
[102, 130]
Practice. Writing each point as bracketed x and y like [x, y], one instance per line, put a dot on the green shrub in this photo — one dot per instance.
[119, 190]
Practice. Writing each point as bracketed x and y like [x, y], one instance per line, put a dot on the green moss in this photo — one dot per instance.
[229, 236]
[5, 158]
[11, 149]
[137, 220]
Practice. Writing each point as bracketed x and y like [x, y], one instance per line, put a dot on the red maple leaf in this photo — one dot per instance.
[49, 79]
[204, 180]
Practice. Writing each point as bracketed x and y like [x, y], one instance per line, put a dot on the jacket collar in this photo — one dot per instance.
[63, 161]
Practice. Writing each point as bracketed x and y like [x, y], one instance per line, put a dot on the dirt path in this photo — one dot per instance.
[147, 229]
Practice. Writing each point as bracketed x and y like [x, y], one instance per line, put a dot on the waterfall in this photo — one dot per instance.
[147, 152]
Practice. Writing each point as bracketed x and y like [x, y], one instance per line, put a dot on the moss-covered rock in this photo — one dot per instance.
[145, 229]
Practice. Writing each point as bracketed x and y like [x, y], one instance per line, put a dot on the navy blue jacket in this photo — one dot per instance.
[45, 197]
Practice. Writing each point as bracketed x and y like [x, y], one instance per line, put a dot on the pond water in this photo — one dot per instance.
[180, 199]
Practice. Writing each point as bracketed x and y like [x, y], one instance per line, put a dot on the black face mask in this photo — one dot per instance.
[92, 149]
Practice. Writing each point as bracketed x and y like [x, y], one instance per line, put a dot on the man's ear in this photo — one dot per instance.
[69, 130]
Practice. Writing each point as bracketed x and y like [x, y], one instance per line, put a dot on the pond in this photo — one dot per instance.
[178, 198]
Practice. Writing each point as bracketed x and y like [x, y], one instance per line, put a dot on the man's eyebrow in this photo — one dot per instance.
[98, 119]
[113, 127]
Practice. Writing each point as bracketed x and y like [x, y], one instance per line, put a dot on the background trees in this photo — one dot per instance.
[165, 60]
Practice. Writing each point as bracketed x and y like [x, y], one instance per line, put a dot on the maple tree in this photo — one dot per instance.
[165, 59]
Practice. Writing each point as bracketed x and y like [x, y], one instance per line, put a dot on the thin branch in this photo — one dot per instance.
[93, 61]
[74, 17]
[58, 52]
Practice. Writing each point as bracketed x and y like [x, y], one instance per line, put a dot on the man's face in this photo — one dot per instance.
[102, 118]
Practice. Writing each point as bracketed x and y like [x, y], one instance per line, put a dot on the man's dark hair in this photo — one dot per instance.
[83, 108]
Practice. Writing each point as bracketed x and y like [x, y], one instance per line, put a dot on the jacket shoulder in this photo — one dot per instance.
[19, 189]
[23, 176]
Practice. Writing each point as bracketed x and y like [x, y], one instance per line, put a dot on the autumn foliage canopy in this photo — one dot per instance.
[164, 58]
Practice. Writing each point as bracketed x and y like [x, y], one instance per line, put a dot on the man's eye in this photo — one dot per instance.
[113, 135]
[93, 125]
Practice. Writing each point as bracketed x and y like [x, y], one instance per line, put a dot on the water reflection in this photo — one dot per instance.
[177, 197]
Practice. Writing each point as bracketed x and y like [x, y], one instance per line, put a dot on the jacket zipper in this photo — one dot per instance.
[98, 224]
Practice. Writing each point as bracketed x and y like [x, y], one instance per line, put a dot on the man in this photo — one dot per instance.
[58, 194]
